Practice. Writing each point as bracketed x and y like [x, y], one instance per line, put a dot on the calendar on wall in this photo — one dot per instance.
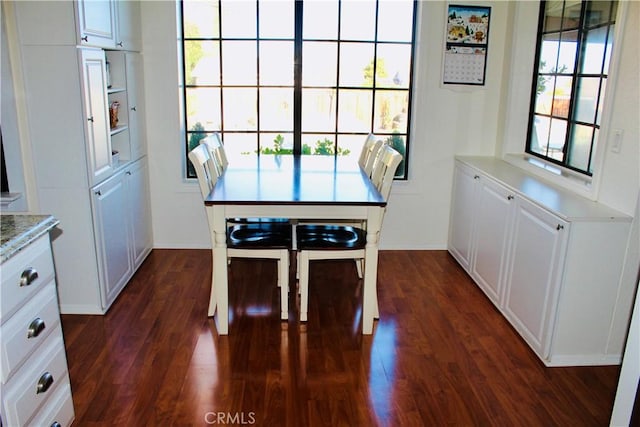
[467, 41]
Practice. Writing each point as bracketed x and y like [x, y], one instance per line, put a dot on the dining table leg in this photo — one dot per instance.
[220, 271]
[369, 298]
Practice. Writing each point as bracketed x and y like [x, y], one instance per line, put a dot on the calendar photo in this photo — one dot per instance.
[467, 41]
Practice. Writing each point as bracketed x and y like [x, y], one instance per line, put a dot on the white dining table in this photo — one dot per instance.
[294, 187]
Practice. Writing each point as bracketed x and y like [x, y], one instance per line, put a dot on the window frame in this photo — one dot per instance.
[298, 86]
[607, 76]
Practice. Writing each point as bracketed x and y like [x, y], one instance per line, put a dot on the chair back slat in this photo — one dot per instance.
[385, 169]
[200, 157]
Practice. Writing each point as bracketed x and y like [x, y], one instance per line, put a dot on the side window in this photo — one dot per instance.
[575, 41]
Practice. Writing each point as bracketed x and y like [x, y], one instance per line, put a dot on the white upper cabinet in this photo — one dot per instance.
[96, 120]
[97, 23]
[128, 35]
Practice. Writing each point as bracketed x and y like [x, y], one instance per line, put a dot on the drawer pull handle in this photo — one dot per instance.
[476, 177]
[36, 327]
[28, 276]
[509, 197]
[560, 227]
[44, 383]
[56, 424]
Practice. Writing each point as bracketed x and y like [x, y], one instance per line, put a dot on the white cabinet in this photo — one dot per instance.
[109, 24]
[34, 376]
[128, 36]
[121, 223]
[67, 114]
[492, 213]
[110, 204]
[538, 254]
[96, 120]
[97, 23]
[538, 244]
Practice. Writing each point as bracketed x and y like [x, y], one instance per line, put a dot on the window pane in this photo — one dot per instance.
[351, 144]
[562, 96]
[390, 14]
[540, 135]
[580, 147]
[239, 19]
[356, 64]
[202, 62]
[544, 94]
[200, 19]
[553, 15]
[240, 143]
[277, 19]
[203, 109]
[594, 49]
[557, 136]
[239, 63]
[318, 144]
[320, 20]
[597, 13]
[276, 143]
[394, 63]
[568, 50]
[603, 91]
[354, 110]
[572, 9]
[587, 99]
[318, 110]
[358, 20]
[319, 64]
[240, 108]
[607, 55]
[549, 53]
[390, 114]
[276, 63]
[276, 109]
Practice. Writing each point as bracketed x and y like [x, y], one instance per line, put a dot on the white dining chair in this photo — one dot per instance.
[322, 242]
[255, 240]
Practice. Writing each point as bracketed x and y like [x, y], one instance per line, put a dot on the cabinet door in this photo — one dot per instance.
[139, 211]
[128, 25]
[492, 226]
[97, 139]
[536, 259]
[111, 227]
[462, 214]
[96, 23]
[135, 98]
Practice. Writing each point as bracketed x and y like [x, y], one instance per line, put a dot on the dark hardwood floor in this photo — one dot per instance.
[441, 354]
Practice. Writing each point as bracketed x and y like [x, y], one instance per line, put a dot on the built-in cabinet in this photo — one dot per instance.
[90, 171]
[549, 260]
[121, 213]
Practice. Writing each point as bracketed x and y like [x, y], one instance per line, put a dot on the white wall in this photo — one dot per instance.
[446, 121]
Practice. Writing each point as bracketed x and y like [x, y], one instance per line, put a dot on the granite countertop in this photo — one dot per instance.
[18, 231]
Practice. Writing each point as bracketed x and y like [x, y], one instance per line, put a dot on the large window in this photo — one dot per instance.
[575, 41]
[312, 77]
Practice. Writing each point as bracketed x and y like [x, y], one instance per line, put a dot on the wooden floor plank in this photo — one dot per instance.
[441, 354]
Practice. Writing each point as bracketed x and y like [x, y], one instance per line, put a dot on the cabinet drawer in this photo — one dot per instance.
[24, 274]
[59, 409]
[35, 382]
[29, 328]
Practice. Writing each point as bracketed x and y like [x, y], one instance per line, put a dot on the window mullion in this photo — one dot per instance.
[297, 79]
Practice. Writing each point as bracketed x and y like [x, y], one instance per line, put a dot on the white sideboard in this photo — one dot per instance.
[549, 260]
